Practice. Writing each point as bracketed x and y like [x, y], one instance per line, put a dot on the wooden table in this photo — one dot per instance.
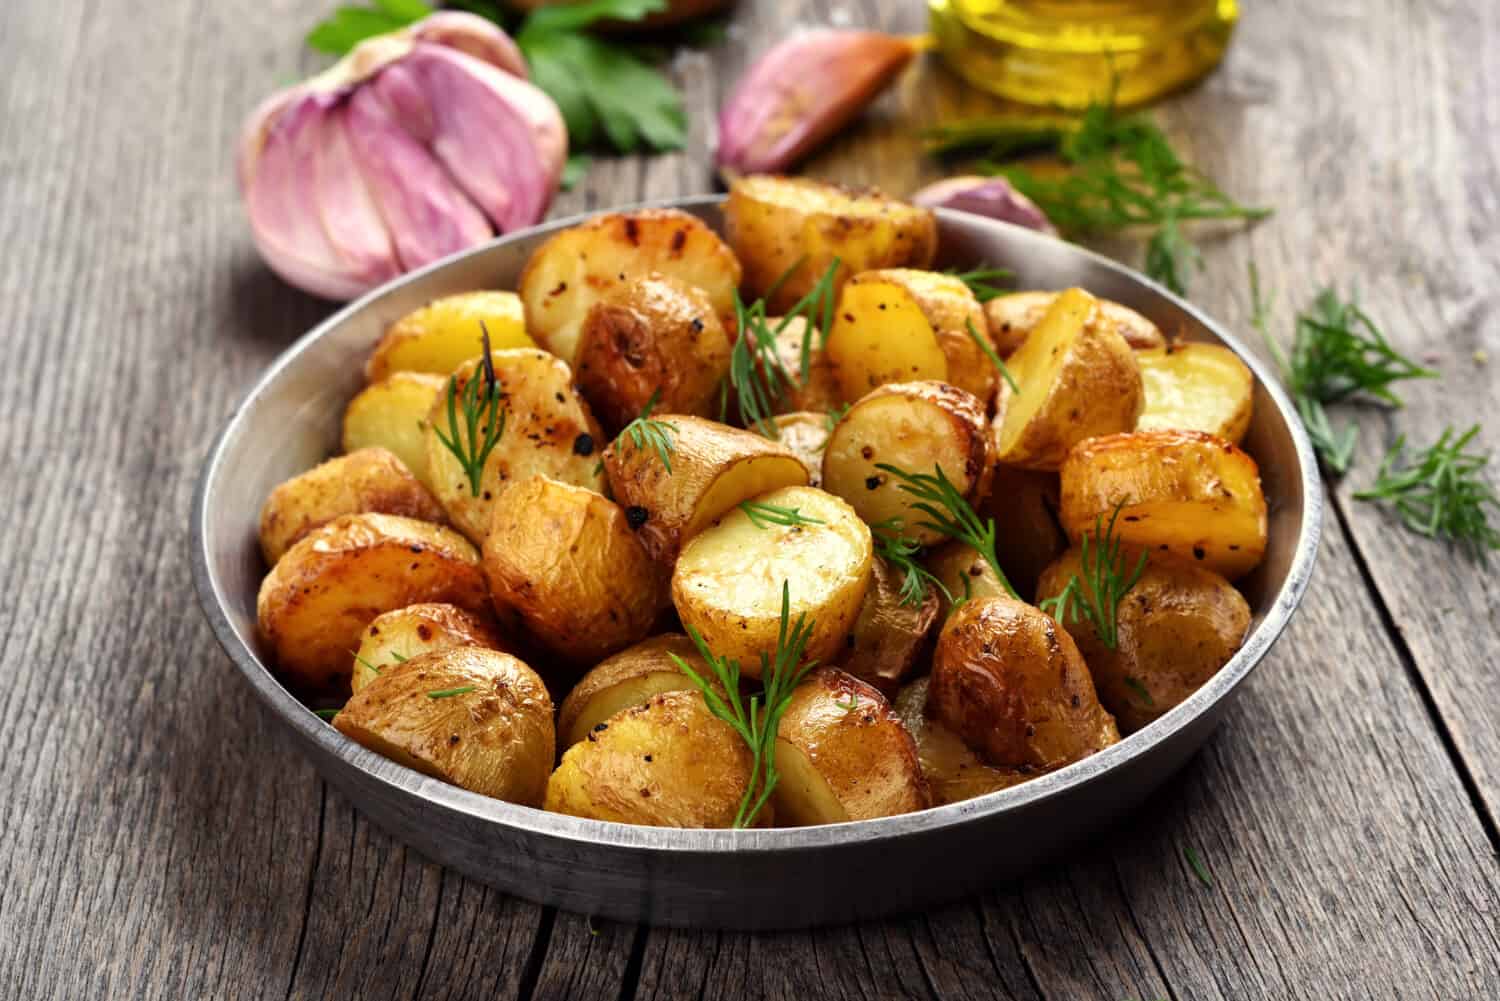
[160, 838]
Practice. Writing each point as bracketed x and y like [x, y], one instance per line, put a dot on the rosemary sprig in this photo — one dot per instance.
[472, 441]
[757, 718]
[904, 555]
[994, 357]
[1095, 597]
[448, 693]
[644, 433]
[984, 281]
[764, 515]
[950, 514]
[1441, 492]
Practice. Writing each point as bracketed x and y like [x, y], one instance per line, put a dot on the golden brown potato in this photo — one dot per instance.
[1196, 387]
[653, 337]
[667, 763]
[316, 602]
[964, 574]
[820, 390]
[805, 433]
[882, 335]
[728, 580]
[1024, 504]
[392, 414]
[776, 224]
[629, 678]
[1012, 317]
[953, 772]
[1077, 379]
[1011, 683]
[566, 560]
[888, 637]
[914, 426]
[477, 718]
[579, 266]
[371, 479]
[445, 333]
[842, 755]
[1183, 492]
[549, 431]
[404, 633]
[714, 467]
[1175, 628]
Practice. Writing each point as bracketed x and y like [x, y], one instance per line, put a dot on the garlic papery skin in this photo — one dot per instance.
[991, 197]
[801, 92]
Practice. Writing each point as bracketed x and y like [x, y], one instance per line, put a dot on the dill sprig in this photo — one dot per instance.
[984, 281]
[1095, 597]
[1441, 492]
[644, 433]
[950, 514]
[994, 357]
[904, 554]
[448, 693]
[756, 719]
[1199, 869]
[1170, 255]
[472, 441]
[764, 515]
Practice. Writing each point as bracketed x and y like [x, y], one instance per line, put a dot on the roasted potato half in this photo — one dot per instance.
[881, 334]
[1196, 387]
[477, 718]
[916, 427]
[655, 337]
[1077, 379]
[953, 771]
[573, 270]
[315, 603]
[1024, 504]
[392, 414]
[790, 229]
[1011, 683]
[890, 635]
[668, 762]
[1012, 317]
[1182, 492]
[713, 468]
[549, 431]
[629, 678]
[446, 332]
[964, 574]
[404, 633]
[842, 754]
[370, 479]
[566, 560]
[729, 578]
[805, 433]
[1175, 628]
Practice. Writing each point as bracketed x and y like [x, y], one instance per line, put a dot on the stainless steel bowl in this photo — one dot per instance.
[724, 879]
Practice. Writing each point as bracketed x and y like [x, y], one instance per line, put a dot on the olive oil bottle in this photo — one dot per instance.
[1066, 53]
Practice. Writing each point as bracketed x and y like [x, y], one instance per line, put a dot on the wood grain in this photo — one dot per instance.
[163, 840]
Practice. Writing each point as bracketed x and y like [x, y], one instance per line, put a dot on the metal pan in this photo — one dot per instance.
[725, 879]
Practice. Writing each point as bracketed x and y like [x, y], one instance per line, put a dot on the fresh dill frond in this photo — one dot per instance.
[473, 439]
[1170, 256]
[1441, 492]
[644, 433]
[985, 282]
[1095, 595]
[993, 355]
[950, 514]
[1199, 869]
[764, 515]
[904, 555]
[448, 693]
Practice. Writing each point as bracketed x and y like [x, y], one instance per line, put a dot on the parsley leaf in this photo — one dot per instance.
[349, 25]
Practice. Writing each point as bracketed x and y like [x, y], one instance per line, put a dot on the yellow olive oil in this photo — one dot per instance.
[1066, 53]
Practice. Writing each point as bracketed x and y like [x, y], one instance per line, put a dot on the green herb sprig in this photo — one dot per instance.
[1095, 596]
[326, 714]
[993, 356]
[448, 693]
[644, 432]
[472, 440]
[1199, 869]
[904, 555]
[756, 373]
[985, 282]
[950, 514]
[763, 515]
[1441, 492]
[756, 719]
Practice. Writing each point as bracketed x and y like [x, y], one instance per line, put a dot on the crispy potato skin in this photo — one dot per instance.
[392, 414]
[1196, 387]
[445, 333]
[565, 559]
[1024, 504]
[657, 335]
[728, 581]
[714, 467]
[580, 265]
[371, 479]
[1012, 317]
[964, 572]
[914, 426]
[773, 223]
[549, 431]
[404, 633]
[317, 600]
[951, 308]
[953, 771]
[857, 749]
[629, 678]
[805, 433]
[496, 739]
[1176, 627]
[1078, 379]
[1183, 492]
[888, 638]
[882, 334]
[1011, 683]
[668, 763]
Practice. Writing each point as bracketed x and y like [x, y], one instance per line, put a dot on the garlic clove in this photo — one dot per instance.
[802, 91]
[351, 219]
[992, 197]
[427, 215]
[474, 36]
